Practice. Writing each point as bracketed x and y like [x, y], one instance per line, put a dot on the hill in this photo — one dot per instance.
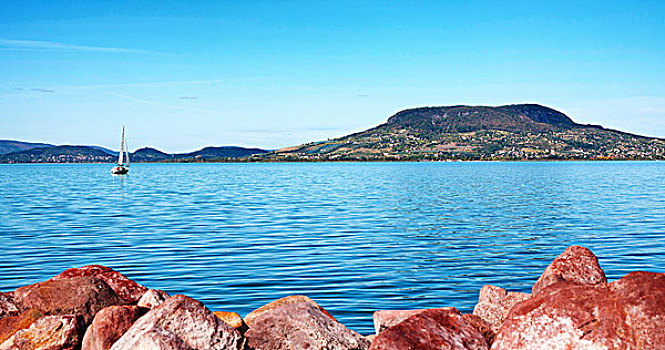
[96, 154]
[149, 155]
[512, 132]
[210, 153]
[9, 146]
[105, 150]
[58, 154]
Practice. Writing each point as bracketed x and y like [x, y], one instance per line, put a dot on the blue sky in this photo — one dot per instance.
[182, 75]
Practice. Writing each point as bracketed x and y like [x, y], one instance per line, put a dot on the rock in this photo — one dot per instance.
[12, 324]
[158, 339]
[384, 319]
[75, 296]
[641, 296]
[47, 333]
[576, 264]
[109, 325]
[292, 299]
[233, 319]
[494, 303]
[625, 314]
[153, 298]
[7, 306]
[432, 329]
[482, 326]
[180, 322]
[301, 326]
[126, 289]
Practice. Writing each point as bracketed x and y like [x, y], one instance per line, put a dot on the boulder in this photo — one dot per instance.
[625, 314]
[159, 339]
[432, 329]
[180, 322]
[109, 325]
[153, 298]
[12, 324]
[576, 265]
[126, 289]
[494, 303]
[75, 296]
[47, 333]
[233, 319]
[641, 297]
[482, 326]
[292, 299]
[7, 306]
[301, 326]
[384, 319]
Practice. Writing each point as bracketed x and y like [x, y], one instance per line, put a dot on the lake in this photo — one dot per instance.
[355, 237]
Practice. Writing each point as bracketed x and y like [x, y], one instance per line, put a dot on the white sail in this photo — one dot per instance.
[122, 148]
[126, 149]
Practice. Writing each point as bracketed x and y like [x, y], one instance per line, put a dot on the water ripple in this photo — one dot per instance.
[356, 237]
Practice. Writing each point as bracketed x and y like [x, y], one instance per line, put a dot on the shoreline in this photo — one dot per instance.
[368, 161]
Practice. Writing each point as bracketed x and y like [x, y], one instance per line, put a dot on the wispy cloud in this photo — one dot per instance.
[152, 83]
[42, 90]
[37, 45]
[189, 98]
[160, 105]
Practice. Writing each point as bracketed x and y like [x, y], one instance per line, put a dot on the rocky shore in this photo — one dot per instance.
[572, 306]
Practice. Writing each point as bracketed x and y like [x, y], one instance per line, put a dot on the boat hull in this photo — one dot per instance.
[119, 170]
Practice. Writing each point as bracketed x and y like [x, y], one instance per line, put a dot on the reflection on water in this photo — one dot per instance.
[356, 237]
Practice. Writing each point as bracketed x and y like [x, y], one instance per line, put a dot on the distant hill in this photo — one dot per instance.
[58, 154]
[221, 152]
[460, 119]
[149, 155]
[96, 154]
[9, 146]
[517, 132]
[105, 150]
[511, 132]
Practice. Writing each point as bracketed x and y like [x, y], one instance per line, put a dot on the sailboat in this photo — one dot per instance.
[123, 158]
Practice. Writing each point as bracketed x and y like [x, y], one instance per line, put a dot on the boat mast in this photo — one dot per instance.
[122, 147]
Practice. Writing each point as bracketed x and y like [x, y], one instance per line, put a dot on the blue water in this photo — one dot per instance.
[356, 237]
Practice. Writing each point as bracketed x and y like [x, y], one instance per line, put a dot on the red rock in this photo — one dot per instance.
[301, 326]
[126, 289]
[153, 298]
[109, 325]
[433, 329]
[576, 264]
[641, 296]
[156, 339]
[292, 299]
[626, 314]
[7, 306]
[384, 319]
[482, 326]
[47, 333]
[180, 323]
[12, 324]
[494, 303]
[75, 296]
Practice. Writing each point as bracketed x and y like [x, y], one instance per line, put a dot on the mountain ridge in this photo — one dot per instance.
[462, 132]
[10, 146]
[96, 154]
